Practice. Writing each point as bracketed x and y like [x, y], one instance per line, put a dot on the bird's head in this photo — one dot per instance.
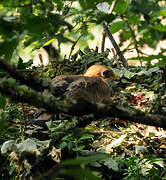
[101, 71]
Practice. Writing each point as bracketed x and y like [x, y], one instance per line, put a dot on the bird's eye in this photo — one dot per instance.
[106, 73]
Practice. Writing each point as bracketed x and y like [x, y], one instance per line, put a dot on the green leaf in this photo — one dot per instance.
[111, 164]
[79, 173]
[22, 65]
[161, 63]
[6, 146]
[79, 148]
[85, 160]
[86, 4]
[2, 101]
[116, 26]
[152, 70]
[159, 56]
[63, 39]
[162, 11]
[7, 48]
[63, 145]
[13, 129]
[37, 25]
[105, 17]
[133, 18]
[10, 108]
[11, 169]
[159, 27]
[28, 146]
[87, 136]
[128, 74]
[121, 6]
[49, 42]
[125, 35]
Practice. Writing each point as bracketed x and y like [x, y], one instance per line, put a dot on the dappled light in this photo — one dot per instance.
[83, 89]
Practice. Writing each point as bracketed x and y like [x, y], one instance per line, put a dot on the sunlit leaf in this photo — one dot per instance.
[162, 11]
[49, 42]
[28, 146]
[159, 27]
[6, 146]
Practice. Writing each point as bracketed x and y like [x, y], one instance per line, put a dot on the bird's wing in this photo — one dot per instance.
[61, 83]
[80, 87]
[88, 88]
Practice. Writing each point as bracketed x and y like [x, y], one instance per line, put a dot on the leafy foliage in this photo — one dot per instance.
[23, 23]
[58, 148]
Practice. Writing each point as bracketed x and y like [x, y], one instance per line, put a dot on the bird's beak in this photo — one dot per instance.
[116, 77]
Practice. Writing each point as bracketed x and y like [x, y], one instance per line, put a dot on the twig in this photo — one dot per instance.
[67, 8]
[115, 57]
[26, 70]
[103, 42]
[40, 58]
[74, 44]
[112, 7]
[134, 38]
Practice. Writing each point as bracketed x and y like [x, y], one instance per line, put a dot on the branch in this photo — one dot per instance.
[106, 30]
[22, 94]
[74, 44]
[103, 42]
[115, 58]
[134, 38]
[33, 80]
[118, 51]
[112, 7]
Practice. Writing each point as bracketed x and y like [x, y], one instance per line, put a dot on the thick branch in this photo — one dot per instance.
[32, 80]
[53, 105]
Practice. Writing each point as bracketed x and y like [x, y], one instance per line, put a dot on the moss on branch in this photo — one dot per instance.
[24, 94]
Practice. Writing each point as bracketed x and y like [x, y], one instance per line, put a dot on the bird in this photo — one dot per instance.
[91, 86]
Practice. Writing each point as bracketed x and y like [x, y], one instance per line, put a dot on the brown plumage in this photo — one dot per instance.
[91, 86]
